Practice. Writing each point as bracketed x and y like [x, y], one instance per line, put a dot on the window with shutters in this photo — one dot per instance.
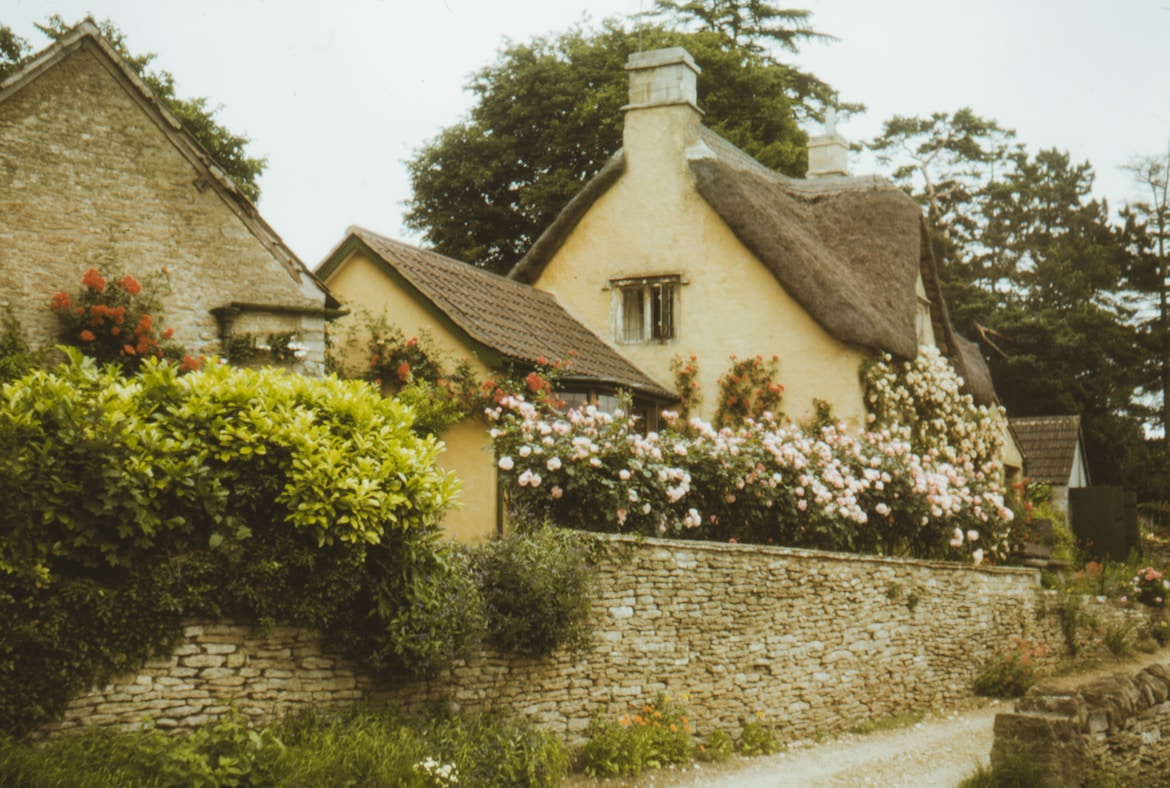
[645, 310]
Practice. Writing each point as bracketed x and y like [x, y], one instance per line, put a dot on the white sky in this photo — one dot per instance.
[339, 93]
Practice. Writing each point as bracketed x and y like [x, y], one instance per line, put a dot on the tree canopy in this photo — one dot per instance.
[548, 116]
[227, 149]
[1037, 269]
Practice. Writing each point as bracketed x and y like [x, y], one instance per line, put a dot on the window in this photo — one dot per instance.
[646, 309]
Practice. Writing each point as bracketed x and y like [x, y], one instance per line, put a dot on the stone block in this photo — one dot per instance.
[202, 661]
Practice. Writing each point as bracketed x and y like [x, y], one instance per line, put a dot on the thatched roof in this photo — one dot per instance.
[1049, 444]
[849, 250]
[518, 322]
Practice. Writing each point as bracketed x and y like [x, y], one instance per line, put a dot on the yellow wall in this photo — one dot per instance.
[654, 222]
[360, 285]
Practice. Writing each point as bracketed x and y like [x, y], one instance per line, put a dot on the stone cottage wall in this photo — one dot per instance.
[814, 642]
[87, 179]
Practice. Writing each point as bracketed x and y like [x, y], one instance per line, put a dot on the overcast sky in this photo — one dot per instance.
[338, 94]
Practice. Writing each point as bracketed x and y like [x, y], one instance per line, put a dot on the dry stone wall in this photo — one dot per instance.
[812, 642]
[1118, 724]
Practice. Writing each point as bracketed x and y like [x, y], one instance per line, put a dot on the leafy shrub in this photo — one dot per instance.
[131, 502]
[360, 747]
[1120, 639]
[1160, 630]
[1150, 586]
[1012, 671]
[537, 587]
[656, 735]
[717, 748]
[15, 358]
[758, 739]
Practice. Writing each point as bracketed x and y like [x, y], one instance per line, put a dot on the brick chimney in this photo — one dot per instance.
[663, 117]
[828, 154]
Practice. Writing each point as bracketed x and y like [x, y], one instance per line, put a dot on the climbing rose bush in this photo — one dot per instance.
[763, 482]
[116, 321]
[922, 403]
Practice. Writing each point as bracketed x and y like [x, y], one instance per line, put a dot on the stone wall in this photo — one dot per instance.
[88, 178]
[814, 642]
[1118, 724]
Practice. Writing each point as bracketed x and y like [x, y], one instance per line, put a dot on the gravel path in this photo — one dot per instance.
[938, 752]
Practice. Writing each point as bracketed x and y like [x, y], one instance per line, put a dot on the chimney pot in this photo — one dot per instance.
[662, 77]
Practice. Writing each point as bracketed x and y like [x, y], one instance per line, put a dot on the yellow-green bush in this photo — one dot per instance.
[130, 502]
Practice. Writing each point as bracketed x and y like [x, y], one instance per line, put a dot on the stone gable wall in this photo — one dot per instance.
[815, 642]
[87, 179]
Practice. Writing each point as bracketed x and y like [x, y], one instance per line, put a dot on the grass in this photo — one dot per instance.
[364, 746]
[898, 721]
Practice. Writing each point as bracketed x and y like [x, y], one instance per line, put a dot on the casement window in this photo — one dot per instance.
[645, 310]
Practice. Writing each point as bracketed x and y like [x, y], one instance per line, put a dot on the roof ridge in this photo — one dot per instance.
[471, 269]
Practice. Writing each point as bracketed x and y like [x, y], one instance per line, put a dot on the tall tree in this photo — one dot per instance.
[228, 150]
[12, 51]
[1150, 220]
[1032, 263]
[548, 116]
[748, 24]
[948, 163]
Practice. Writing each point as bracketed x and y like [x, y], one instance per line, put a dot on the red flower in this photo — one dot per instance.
[374, 361]
[542, 361]
[93, 280]
[170, 332]
[144, 325]
[129, 351]
[190, 364]
[404, 372]
[535, 383]
[115, 331]
[412, 342]
[130, 285]
[87, 336]
[60, 301]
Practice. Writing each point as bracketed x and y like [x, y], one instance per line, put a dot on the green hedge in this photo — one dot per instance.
[131, 502]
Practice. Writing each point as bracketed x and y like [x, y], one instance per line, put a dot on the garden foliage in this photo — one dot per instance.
[925, 479]
[130, 502]
[537, 586]
[361, 747]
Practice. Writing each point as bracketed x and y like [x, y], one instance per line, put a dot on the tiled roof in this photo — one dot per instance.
[516, 320]
[1049, 444]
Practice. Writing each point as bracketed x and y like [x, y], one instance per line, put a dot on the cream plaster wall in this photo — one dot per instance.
[653, 221]
[364, 288]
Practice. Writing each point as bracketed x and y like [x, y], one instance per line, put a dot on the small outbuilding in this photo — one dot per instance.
[1054, 454]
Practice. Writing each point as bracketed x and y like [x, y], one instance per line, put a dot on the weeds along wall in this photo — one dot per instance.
[809, 642]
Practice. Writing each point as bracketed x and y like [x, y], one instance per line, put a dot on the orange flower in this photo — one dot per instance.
[170, 332]
[412, 342]
[115, 331]
[404, 372]
[129, 351]
[130, 285]
[374, 361]
[87, 336]
[190, 364]
[60, 301]
[93, 280]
